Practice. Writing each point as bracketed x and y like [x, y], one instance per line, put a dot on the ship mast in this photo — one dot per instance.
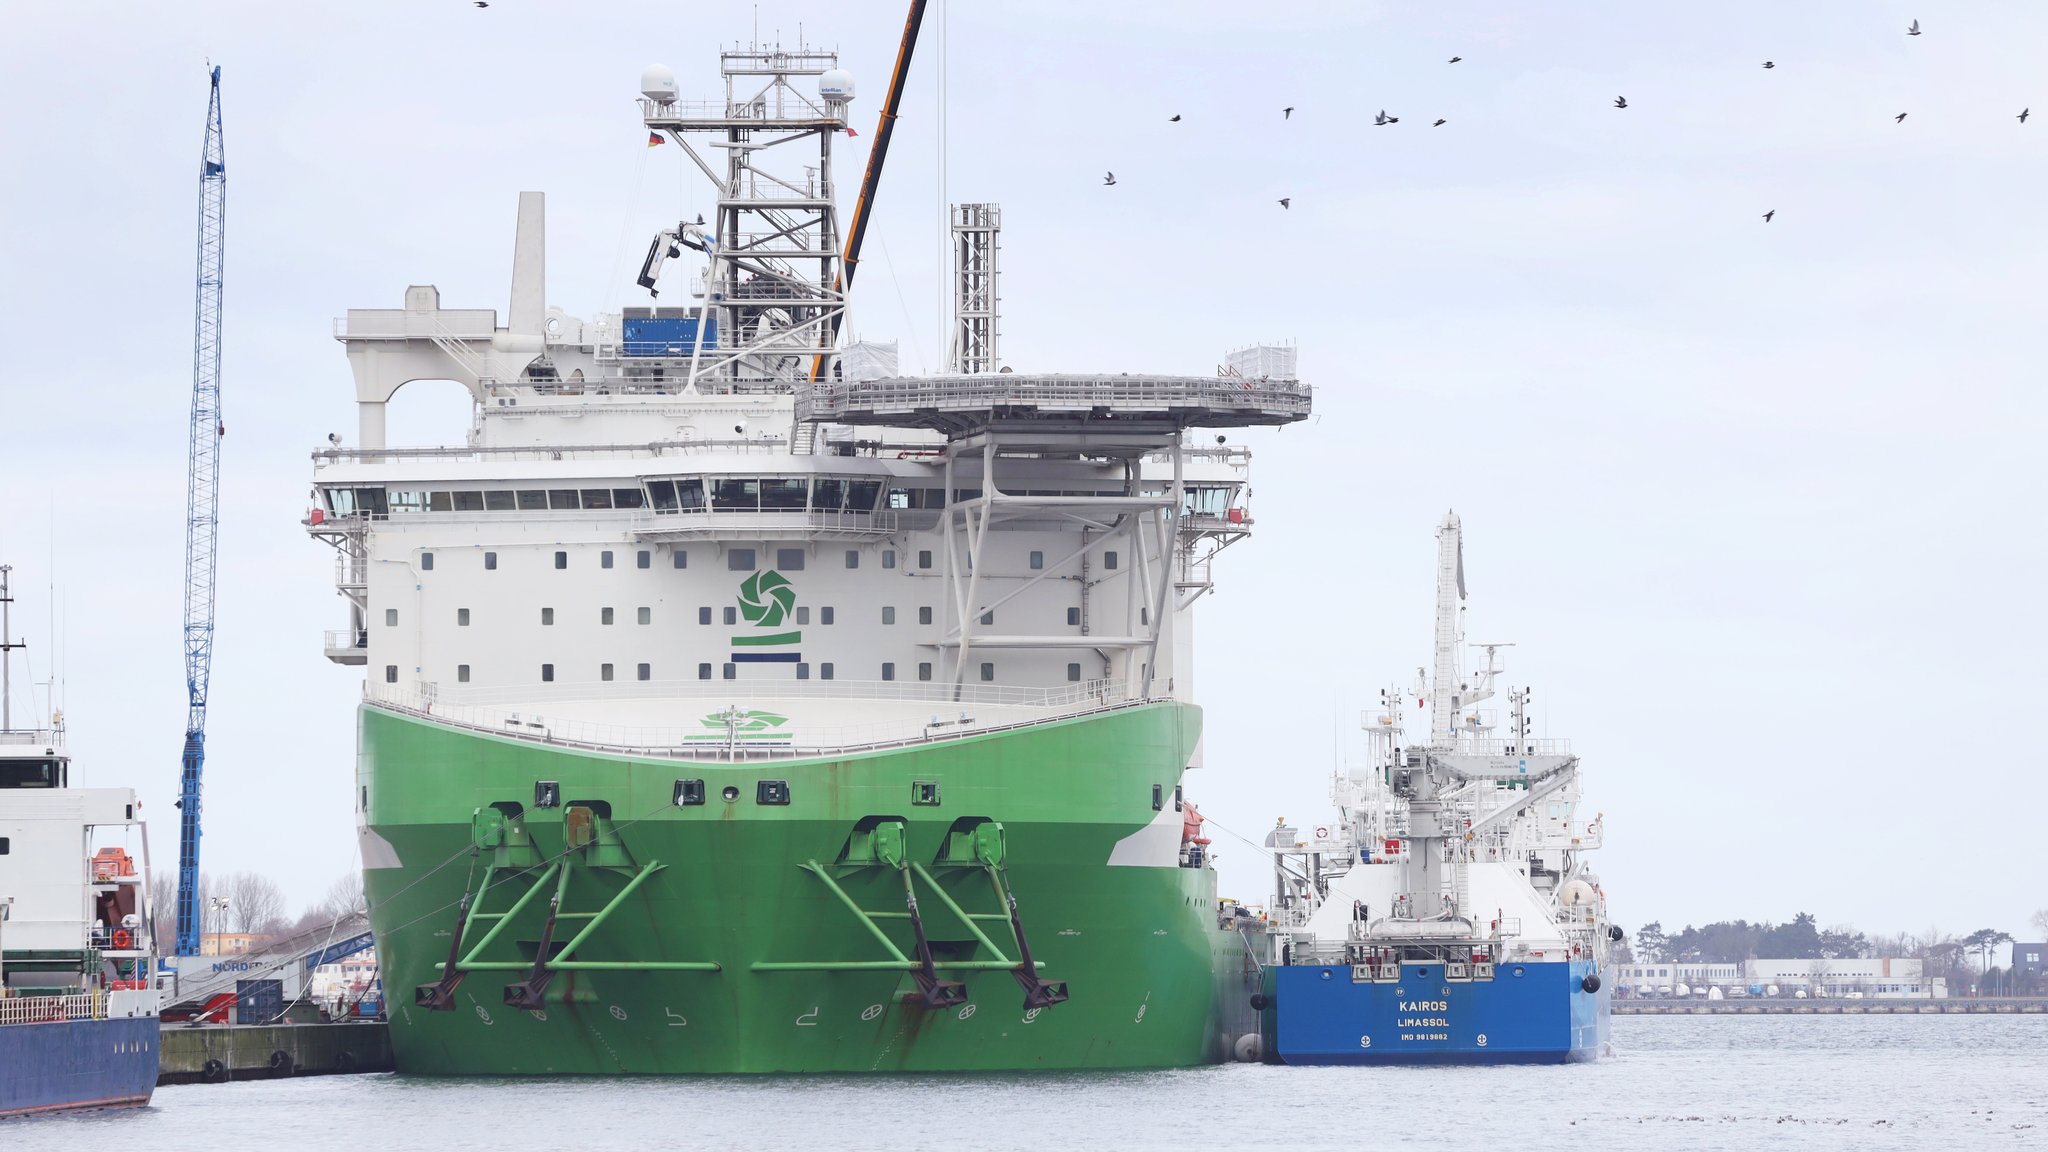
[1447, 693]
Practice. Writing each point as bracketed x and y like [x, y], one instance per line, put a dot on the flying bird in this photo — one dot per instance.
[1286, 201]
[1455, 59]
[1913, 29]
[1769, 64]
[1768, 215]
[1439, 124]
[481, 3]
[1287, 113]
[1175, 119]
[1899, 119]
[1108, 178]
[1382, 120]
[2023, 114]
[1621, 101]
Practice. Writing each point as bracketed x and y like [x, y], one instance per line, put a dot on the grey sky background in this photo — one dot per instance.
[1758, 503]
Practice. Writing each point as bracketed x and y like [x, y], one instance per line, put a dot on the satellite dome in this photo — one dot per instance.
[836, 86]
[658, 83]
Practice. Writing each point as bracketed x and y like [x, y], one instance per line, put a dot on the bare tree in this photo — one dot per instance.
[2040, 922]
[254, 904]
[344, 897]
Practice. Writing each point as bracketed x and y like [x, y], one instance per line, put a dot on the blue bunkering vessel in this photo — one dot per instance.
[1534, 1013]
[1448, 915]
[78, 999]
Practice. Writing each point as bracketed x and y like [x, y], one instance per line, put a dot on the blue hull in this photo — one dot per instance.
[1527, 1014]
[77, 1064]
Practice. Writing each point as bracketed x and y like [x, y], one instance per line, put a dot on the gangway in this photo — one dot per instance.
[197, 980]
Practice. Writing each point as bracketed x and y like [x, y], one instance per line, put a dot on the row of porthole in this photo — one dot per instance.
[690, 793]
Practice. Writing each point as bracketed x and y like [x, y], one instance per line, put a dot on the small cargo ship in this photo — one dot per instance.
[78, 1004]
[1449, 914]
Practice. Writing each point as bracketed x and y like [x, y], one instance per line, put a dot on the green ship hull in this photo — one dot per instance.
[750, 935]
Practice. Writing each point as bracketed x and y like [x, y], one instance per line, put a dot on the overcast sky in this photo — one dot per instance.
[1759, 503]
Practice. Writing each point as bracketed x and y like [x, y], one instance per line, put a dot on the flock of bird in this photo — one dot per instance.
[1383, 120]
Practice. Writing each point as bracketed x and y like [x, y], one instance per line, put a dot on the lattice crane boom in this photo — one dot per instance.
[202, 505]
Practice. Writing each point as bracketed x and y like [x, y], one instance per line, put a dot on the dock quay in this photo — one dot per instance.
[218, 1053]
[1761, 1006]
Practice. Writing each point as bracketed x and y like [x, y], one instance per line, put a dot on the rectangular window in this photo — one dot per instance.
[499, 501]
[562, 498]
[1073, 617]
[604, 558]
[789, 559]
[469, 501]
[628, 498]
[597, 498]
[853, 557]
[645, 672]
[440, 502]
[888, 615]
[646, 615]
[827, 495]
[462, 673]
[924, 614]
[888, 671]
[988, 618]
[825, 614]
[1037, 561]
[391, 673]
[462, 617]
[732, 616]
[740, 560]
[391, 617]
[703, 671]
[547, 672]
[924, 671]
[703, 615]
[782, 494]
[862, 494]
[604, 671]
[924, 558]
[988, 671]
[732, 671]
[561, 559]
[426, 561]
[532, 500]
[547, 616]
[803, 615]
[888, 557]
[643, 559]
[663, 493]
[803, 671]
[690, 495]
[1074, 673]
[682, 558]
[824, 671]
[1144, 615]
[490, 561]
[1109, 561]
[604, 616]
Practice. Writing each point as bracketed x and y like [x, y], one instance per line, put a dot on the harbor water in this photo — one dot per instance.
[1705, 1082]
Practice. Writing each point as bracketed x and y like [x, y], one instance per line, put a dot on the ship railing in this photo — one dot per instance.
[750, 734]
[44, 736]
[52, 1009]
[476, 454]
[346, 638]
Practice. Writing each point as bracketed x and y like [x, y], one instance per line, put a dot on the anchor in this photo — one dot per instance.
[531, 993]
[1037, 993]
[934, 992]
[440, 995]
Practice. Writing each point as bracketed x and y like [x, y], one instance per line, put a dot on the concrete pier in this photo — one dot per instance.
[212, 1054]
[1760, 1006]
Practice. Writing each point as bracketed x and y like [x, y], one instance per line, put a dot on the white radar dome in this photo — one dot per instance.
[836, 86]
[658, 83]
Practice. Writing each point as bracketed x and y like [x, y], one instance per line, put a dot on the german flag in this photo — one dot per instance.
[654, 140]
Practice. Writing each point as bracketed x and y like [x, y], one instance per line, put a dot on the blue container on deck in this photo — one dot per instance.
[666, 335]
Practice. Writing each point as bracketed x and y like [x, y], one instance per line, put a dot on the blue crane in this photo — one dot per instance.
[202, 507]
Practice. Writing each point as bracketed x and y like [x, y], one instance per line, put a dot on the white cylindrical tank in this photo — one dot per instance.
[836, 86]
[658, 83]
[1577, 894]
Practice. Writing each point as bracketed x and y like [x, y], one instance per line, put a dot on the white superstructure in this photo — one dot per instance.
[1468, 846]
[682, 530]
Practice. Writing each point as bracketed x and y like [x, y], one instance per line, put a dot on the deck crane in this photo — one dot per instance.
[202, 505]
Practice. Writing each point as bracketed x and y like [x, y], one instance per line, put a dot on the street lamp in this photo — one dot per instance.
[219, 906]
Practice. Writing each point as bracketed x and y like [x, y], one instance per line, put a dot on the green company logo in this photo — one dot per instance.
[767, 600]
[742, 724]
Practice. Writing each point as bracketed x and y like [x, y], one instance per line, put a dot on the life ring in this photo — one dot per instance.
[1322, 832]
[123, 939]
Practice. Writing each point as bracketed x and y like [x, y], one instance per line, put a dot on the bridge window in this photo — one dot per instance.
[862, 494]
[532, 500]
[628, 498]
[408, 501]
[828, 494]
[662, 493]
[469, 501]
[597, 498]
[499, 501]
[781, 494]
[733, 495]
[561, 499]
[690, 495]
